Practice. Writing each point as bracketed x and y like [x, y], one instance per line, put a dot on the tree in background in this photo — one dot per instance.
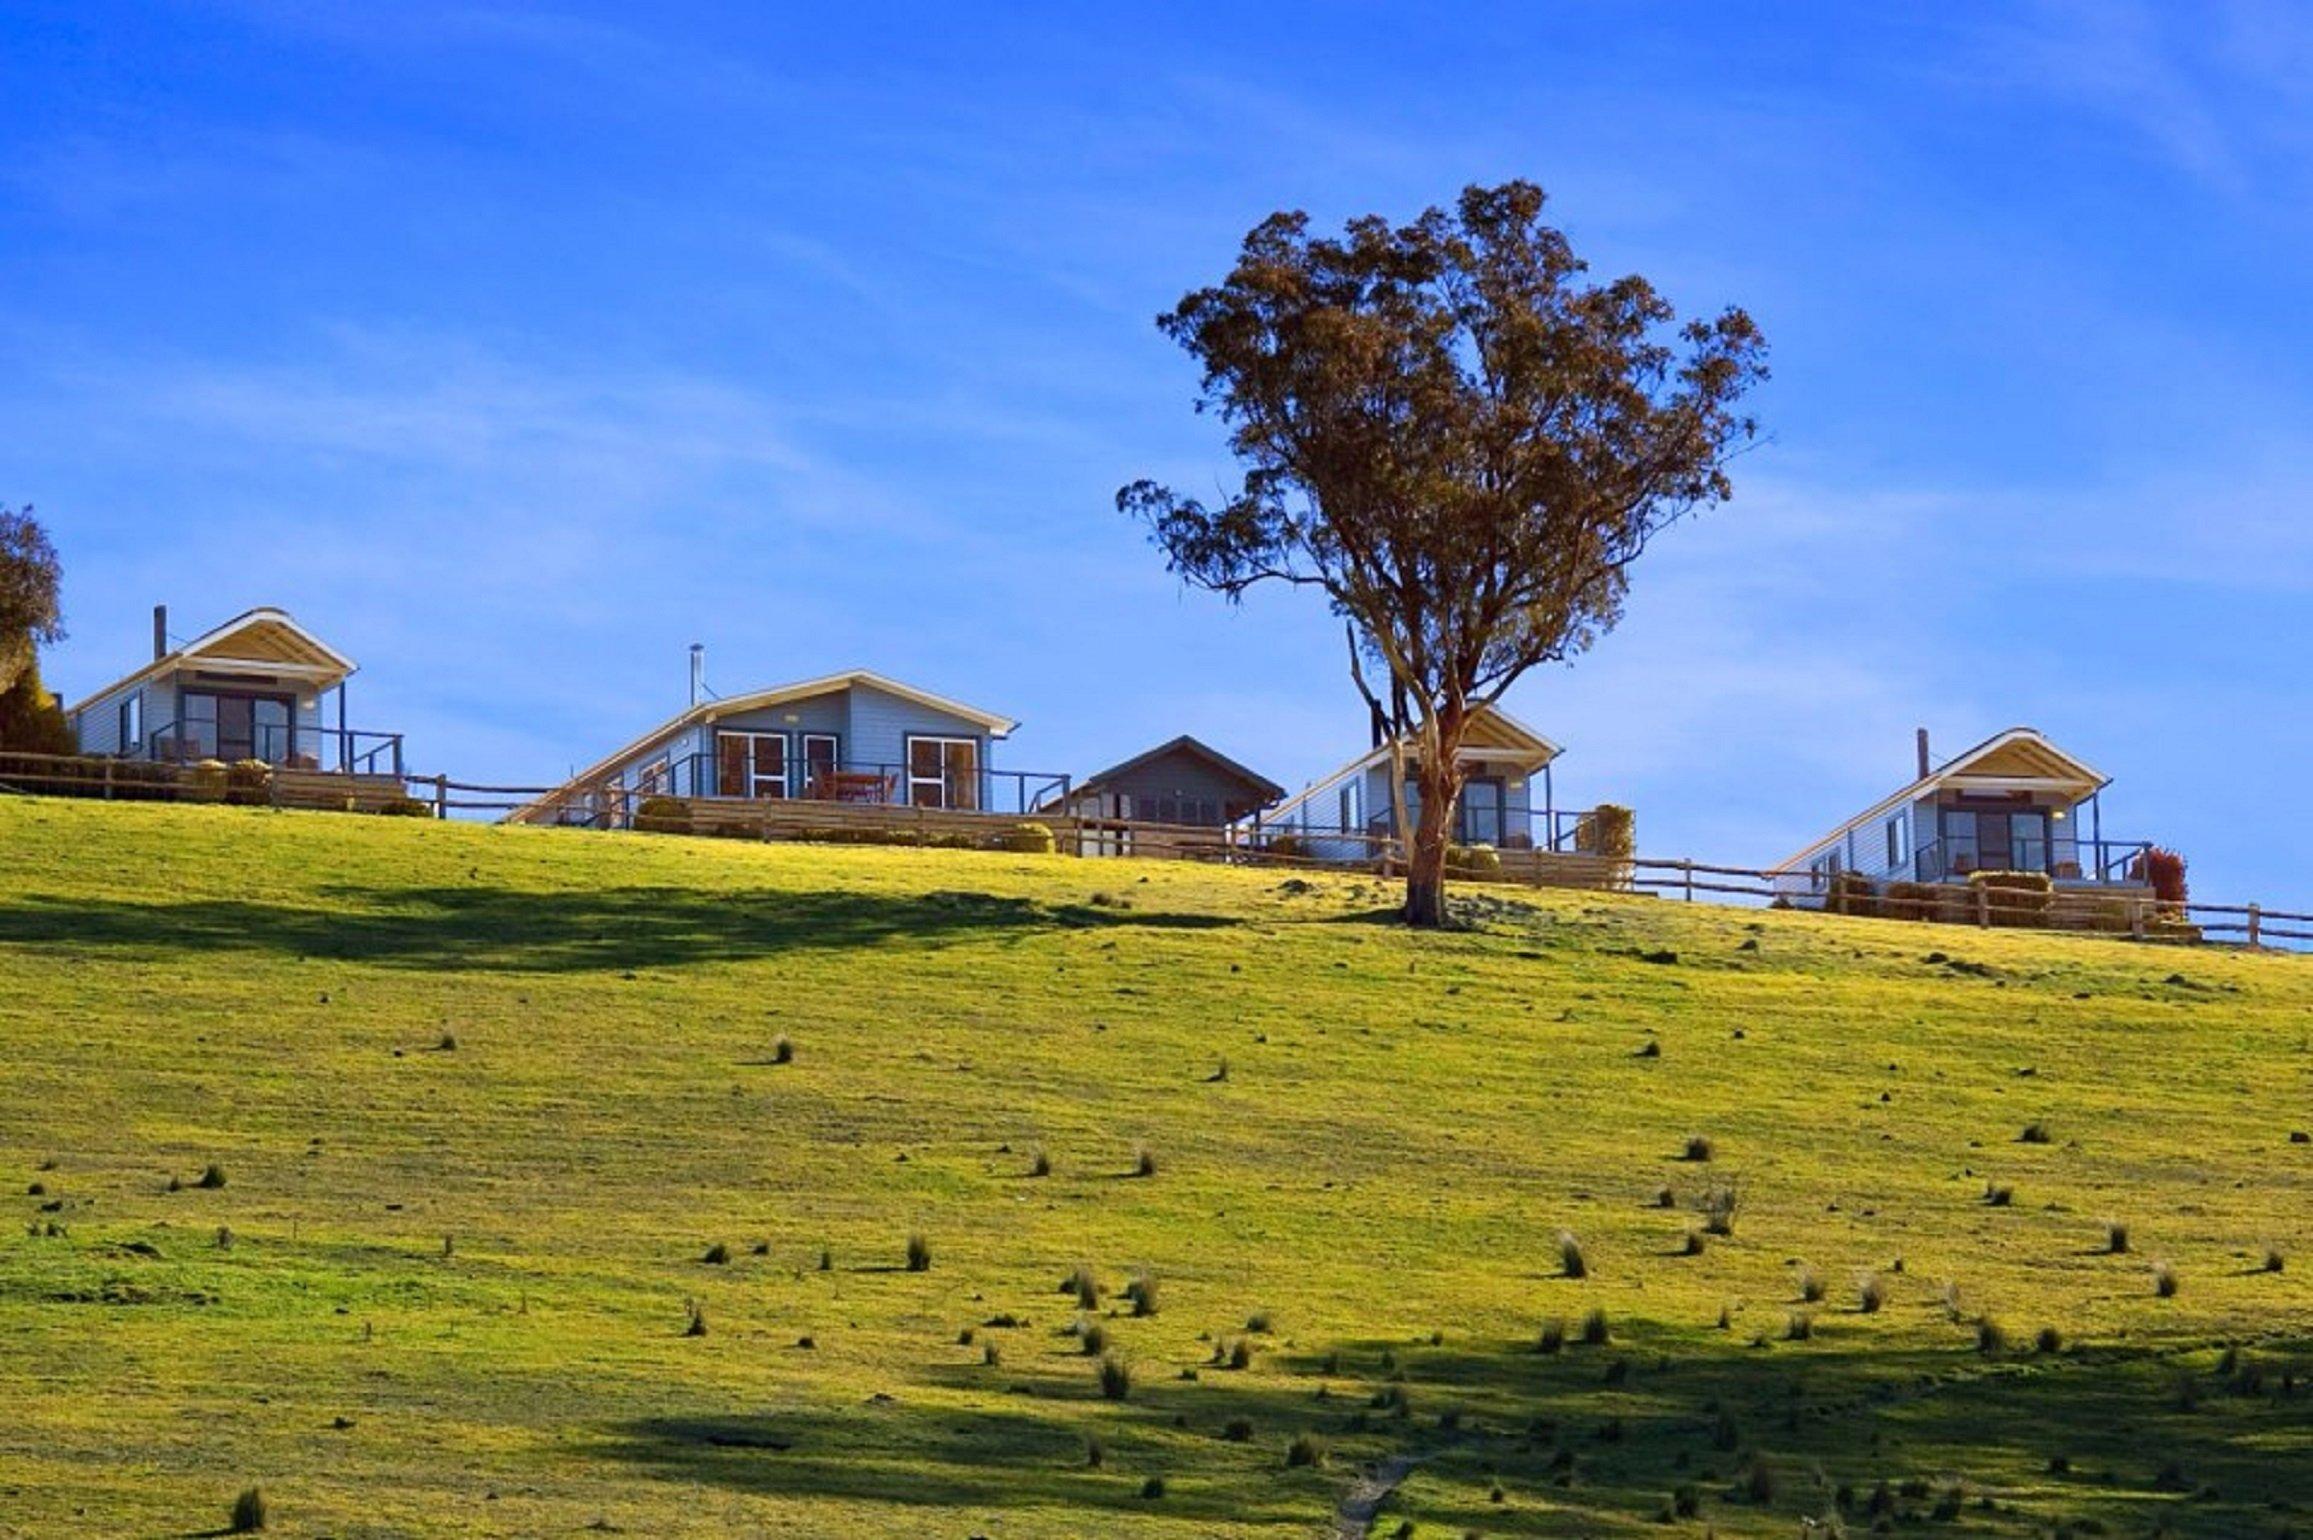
[1461, 441]
[30, 614]
[30, 611]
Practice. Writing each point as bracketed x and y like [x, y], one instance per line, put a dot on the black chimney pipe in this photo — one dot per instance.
[1924, 765]
[160, 632]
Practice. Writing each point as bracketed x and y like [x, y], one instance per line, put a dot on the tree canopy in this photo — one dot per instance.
[1459, 438]
[31, 610]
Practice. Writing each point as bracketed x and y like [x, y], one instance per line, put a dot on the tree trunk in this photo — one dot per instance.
[1440, 779]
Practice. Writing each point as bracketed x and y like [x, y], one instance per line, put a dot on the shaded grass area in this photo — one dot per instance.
[499, 1113]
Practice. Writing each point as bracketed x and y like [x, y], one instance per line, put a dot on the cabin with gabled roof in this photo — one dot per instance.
[2012, 803]
[258, 687]
[855, 738]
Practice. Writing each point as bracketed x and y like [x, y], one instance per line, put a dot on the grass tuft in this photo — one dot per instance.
[2034, 1133]
[249, 1512]
[1570, 1259]
[1305, 1450]
[2115, 1237]
[1871, 1295]
[1115, 1378]
[919, 1254]
[2164, 1281]
[212, 1178]
[1595, 1330]
[1699, 1148]
[717, 1255]
[1144, 1161]
[783, 1049]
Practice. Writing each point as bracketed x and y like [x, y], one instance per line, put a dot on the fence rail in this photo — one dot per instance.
[2135, 913]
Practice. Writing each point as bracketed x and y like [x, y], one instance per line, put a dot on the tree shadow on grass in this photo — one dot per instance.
[1594, 1439]
[609, 928]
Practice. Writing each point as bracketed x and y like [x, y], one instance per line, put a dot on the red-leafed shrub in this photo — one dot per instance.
[2164, 870]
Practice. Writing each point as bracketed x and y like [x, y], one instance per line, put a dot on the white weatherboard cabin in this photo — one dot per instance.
[2013, 803]
[1342, 815]
[258, 687]
[855, 737]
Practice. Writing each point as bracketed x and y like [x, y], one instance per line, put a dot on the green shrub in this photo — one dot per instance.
[1027, 839]
[1595, 1331]
[2017, 899]
[1115, 1378]
[663, 815]
[1305, 1450]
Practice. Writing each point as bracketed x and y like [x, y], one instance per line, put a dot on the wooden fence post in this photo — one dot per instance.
[2255, 914]
[2135, 917]
[1690, 871]
[108, 780]
[441, 796]
[1983, 904]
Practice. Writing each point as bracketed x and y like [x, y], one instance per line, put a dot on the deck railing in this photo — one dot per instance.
[338, 750]
[1006, 793]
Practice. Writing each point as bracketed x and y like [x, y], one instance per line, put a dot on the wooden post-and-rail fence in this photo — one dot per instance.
[2130, 912]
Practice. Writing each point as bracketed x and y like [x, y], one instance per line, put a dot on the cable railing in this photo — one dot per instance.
[288, 746]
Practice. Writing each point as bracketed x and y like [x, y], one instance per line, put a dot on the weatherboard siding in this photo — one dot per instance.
[871, 728]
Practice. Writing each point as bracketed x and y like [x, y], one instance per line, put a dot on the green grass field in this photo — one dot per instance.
[484, 1099]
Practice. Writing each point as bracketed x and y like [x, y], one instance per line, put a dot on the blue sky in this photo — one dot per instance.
[514, 349]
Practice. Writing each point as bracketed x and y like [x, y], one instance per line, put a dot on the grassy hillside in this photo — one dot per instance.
[483, 1100]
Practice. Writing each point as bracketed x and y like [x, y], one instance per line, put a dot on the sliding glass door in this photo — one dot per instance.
[944, 772]
[751, 765]
[217, 725]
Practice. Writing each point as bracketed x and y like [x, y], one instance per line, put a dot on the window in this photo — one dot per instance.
[751, 764]
[944, 772]
[652, 780]
[132, 724]
[1348, 810]
[1897, 854]
[1959, 842]
[822, 757]
[1824, 867]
